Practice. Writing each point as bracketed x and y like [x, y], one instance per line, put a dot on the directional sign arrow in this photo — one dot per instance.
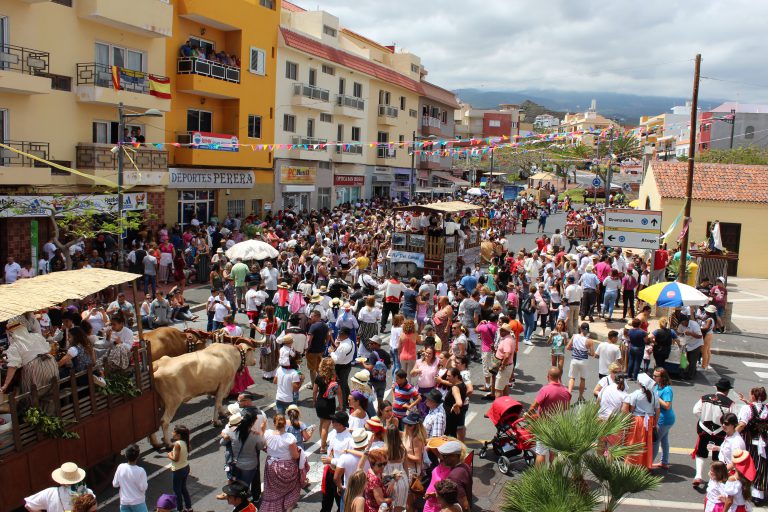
[611, 238]
[654, 222]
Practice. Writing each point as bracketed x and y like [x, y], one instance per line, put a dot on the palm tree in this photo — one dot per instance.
[576, 434]
[626, 147]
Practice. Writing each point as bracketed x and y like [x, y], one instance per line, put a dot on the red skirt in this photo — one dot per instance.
[639, 434]
[243, 381]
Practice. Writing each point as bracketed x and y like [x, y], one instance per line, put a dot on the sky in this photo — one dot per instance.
[620, 46]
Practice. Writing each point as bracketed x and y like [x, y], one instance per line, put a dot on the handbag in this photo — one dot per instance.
[231, 468]
[416, 486]
[496, 365]
[119, 357]
[683, 359]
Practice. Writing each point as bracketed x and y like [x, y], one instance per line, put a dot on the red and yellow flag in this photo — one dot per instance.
[160, 87]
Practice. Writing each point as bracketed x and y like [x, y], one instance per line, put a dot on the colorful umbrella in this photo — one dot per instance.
[673, 295]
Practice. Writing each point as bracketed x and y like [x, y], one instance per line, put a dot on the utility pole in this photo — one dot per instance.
[609, 172]
[120, 170]
[413, 166]
[733, 126]
[490, 177]
[682, 274]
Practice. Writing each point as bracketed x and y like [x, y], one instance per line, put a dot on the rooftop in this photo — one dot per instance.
[742, 108]
[713, 182]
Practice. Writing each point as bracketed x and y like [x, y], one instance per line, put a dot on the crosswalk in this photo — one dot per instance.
[757, 366]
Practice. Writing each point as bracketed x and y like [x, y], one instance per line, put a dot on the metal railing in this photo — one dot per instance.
[10, 158]
[311, 91]
[343, 100]
[308, 142]
[386, 152]
[209, 68]
[388, 111]
[350, 149]
[92, 73]
[23, 60]
[432, 122]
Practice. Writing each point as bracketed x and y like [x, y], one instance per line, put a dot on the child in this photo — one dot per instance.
[738, 488]
[647, 356]
[557, 340]
[298, 428]
[394, 341]
[447, 494]
[563, 311]
[718, 475]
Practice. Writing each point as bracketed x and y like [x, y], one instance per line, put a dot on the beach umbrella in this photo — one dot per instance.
[252, 250]
[673, 295]
[476, 192]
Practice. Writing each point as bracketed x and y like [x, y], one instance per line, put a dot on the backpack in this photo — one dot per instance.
[379, 370]
[330, 390]
[757, 426]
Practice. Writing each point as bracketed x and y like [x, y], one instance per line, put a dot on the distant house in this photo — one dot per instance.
[735, 195]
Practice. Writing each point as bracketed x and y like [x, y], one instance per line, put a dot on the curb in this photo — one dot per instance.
[717, 351]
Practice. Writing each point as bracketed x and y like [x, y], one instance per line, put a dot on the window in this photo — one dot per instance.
[340, 133]
[202, 43]
[413, 113]
[384, 97]
[402, 102]
[257, 64]
[322, 164]
[3, 125]
[494, 123]
[256, 207]
[357, 90]
[269, 4]
[342, 86]
[312, 76]
[356, 133]
[61, 83]
[199, 121]
[254, 127]
[291, 71]
[289, 123]
[749, 132]
[323, 197]
[382, 149]
[444, 117]
[235, 207]
[111, 55]
[198, 204]
[401, 139]
[414, 68]
[310, 128]
[329, 70]
[329, 31]
[106, 132]
[326, 118]
[65, 3]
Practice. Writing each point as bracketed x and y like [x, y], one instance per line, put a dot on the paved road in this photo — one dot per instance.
[676, 492]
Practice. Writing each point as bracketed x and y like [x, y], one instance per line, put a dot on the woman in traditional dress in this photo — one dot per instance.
[166, 261]
[281, 300]
[753, 427]
[643, 405]
[268, 327]
[284, 472]
[443, 319]
[369, 318]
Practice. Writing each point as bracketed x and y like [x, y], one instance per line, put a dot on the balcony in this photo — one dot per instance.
[148, 18]
[16, 169]
[388, 115]
[431, 162]
[348, 153]
[151, 165]
[310, 96]
[212, 149]
[23, 70]
[384, 152]
[207, 78]
[350, 106]
[308, 148]
[95, 85]
[431, 126]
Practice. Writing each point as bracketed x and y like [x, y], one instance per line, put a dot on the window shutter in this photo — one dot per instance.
[257, 64]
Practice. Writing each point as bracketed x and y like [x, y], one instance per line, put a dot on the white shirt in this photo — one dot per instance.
[285, 381]
[369, 315]
[42, 266]
[731, 444]
[251, 297]
[50, 250]
[442, 289]
[344, 352]
[279, 445]
[394, 337]
[52, 499]
[220, 310]
[607, 353]
[338, 442]
[12, 271]
[611, 399]
[573, 293]
[269, 276]
[392, 289]
[349, 463]
[132, 481]
[124, 335]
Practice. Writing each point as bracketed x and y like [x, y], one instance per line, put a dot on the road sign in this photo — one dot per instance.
[639, 229]
[626, 187]
[596, 182]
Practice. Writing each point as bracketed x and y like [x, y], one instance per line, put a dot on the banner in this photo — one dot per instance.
[209, 178]
[416, 258]
[417, 241]
[398, 238]
[214, 141]
[297, 175]
[340, 180]
[511, 192]
[160, 87]
[38, 206]
[122, 76]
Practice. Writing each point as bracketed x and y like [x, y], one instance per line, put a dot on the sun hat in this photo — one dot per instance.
[435, 396]
[236, 489]
[360, 438]
[449, 448]
[166, 502]
[374, 424]
[68, 474]
[292, 407]
[233, 408]
[235, 419]
[336, 302]
[283, 285]
[362, 377]
[315, 299]
[710, 308]
[413, 418]
[646, 381]
[743, 462]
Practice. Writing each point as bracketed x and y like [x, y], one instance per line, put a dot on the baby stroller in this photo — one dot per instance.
[512, 441]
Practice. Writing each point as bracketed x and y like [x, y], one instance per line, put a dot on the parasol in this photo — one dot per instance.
[476, 192]
[252, 250]
[672, 295]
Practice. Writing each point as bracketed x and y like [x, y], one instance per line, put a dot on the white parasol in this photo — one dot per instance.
[476, 192]
[252, 250]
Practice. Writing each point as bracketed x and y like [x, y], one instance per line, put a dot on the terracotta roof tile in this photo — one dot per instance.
[288, 6]
[313, 47]
[713, 182]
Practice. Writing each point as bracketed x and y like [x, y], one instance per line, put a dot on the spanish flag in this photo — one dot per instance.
[116, 78]
[160, 87]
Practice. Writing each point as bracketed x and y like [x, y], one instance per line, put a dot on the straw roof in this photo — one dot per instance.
[41, 292]
[442, 207]
[546, 176]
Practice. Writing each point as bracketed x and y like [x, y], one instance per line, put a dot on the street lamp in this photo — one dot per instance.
[122, 116]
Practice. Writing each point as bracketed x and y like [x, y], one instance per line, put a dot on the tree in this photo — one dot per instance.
[75, 218]
[576, 434]
[626, 147]
[744, 155]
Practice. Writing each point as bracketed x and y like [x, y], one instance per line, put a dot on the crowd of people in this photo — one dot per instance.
[195, 51]
[385, 358]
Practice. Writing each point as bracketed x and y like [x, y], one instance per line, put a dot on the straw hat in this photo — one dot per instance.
[360, 438]
[374, 424]
[233, 409]
[743, 462]
[283, 285]
[710, 308]
[235, 419]
[68, 474]
[336, 302]
[362, 377]
[315, 299]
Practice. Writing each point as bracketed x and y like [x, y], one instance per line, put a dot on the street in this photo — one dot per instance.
[207, 457]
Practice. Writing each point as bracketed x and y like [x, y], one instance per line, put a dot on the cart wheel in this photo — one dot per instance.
[482, 452]
[529, 457]
[504, 464]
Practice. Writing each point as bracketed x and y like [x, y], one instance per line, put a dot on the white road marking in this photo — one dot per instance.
[762, 375]
[528, 350]
[471, 415]
[387, 393]
[650, 504]
[748, 317]
[755, 365]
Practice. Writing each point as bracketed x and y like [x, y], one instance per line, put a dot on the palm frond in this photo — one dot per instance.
[619, 479]
[622, 451]
[547, 489]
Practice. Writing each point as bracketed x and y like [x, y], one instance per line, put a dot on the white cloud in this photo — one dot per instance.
[616, 46]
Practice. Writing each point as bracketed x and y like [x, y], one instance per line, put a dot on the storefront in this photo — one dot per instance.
[209, 194]
[401, 188]
[296, 185]
[348, 188]
[382, 179]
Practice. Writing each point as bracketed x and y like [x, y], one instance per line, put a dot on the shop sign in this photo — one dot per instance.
[143, 177]
[209, 178]
[416, 258]
[39, 206]
[290, 175]
[342, 180]
[268, 207]
[214, 141]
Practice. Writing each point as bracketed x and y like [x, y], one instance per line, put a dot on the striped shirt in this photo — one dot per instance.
[579, 347]
[403, 396]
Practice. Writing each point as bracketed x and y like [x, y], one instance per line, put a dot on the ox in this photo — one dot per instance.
[171, 342]
[208, 372]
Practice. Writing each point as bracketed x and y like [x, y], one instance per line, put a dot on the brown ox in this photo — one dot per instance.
[171, 342]
[489, 249]
[208, 372]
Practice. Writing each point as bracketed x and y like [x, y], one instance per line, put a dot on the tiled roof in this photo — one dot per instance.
[288, 6]
[713, 182]
[313, 47]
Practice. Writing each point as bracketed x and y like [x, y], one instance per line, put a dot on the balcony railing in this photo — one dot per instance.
[101, 156]
[350, 149]
[386, 152]
[92, 73]
[388, 111]
[23, 60]
[309, 143]
[202, 67]
[432, 122]
[10, 158]
[343, 100]
[311, 91]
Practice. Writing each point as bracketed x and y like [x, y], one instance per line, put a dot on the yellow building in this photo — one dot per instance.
[222, 66]
[734, 195]
[59, 101]
[586, 122]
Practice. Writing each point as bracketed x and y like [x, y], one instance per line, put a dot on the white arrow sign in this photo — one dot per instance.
[633, 239]
[644, 220]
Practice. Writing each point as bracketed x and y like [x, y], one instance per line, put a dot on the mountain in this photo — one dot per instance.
[625, 108]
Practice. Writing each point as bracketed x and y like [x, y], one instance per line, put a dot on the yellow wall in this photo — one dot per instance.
[751, 216]
[405, 124]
